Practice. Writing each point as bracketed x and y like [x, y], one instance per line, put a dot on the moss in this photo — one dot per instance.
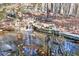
[2, 14]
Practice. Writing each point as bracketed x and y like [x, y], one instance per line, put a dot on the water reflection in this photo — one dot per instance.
[7, 46]
[54, 45]
[67, 48]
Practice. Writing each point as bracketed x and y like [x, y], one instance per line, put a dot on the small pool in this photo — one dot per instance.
[67, 48]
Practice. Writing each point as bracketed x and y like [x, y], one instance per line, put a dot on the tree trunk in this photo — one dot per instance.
[78, 11]
[71, 9]
[43, 7]
[51, 7]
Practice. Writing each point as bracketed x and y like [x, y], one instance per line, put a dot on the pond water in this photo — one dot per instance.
[65, 48]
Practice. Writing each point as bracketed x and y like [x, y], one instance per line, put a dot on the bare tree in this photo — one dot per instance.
[78, 11]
